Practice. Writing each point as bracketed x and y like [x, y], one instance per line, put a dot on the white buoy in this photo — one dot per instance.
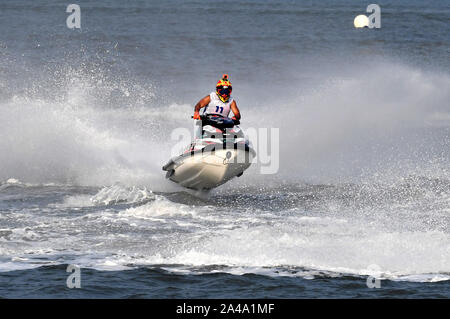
[361, 21]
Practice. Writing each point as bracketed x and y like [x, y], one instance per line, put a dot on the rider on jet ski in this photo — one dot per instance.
[220, 102]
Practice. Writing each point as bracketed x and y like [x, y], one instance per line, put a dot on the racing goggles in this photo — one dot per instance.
[224, 90]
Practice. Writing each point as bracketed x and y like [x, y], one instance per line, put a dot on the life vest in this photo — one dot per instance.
[216, 106]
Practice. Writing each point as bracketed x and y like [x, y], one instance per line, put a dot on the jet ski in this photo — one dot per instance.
[221, 152]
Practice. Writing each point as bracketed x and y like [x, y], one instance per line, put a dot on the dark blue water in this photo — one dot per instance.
[362, 185]
[50, 282]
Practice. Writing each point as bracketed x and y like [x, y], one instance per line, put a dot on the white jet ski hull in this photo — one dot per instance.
[206, 170]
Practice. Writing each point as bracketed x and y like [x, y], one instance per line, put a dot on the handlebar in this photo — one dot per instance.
[204, 117]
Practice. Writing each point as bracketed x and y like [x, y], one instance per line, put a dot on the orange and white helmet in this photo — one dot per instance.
[224, 88]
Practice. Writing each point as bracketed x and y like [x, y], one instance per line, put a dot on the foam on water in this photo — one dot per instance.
[398, 242]
[118, 193]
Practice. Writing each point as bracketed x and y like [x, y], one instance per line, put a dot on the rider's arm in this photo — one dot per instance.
[235, 110]
[202, 103]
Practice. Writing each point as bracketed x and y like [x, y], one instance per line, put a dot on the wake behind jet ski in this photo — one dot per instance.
[220, 151]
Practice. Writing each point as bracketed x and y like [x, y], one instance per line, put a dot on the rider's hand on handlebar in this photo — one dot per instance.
[196, 116]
